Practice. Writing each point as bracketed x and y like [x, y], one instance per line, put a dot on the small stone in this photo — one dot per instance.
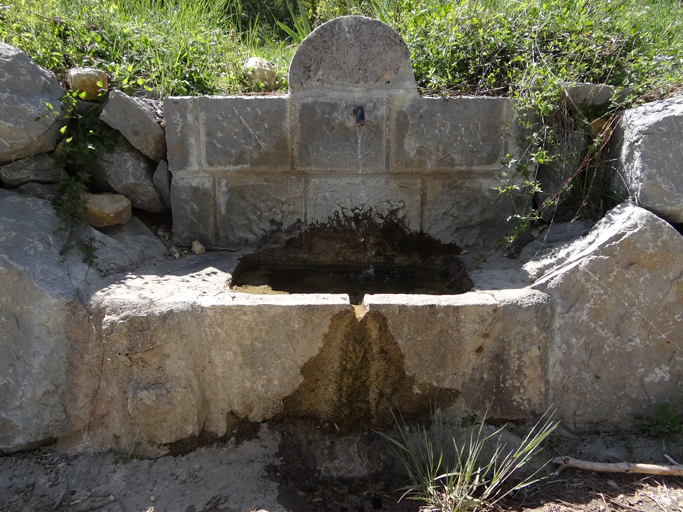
[260, 71]
[198, 248]
[152, 498]
[106, 209]
[612, 484]
[111, 497]
[85, 80]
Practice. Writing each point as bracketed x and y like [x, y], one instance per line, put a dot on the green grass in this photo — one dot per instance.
[191, 47]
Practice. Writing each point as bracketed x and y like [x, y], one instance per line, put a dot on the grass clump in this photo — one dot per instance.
[463, 466]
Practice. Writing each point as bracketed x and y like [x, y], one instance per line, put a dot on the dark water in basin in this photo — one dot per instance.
[355, 279]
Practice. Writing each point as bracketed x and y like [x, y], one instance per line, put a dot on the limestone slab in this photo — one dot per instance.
[615, 345]
[392, 197]
[182, 131]
[244, 133]
[466, 209]
[488, 346]
[193, 200]
[134, 118]
[352, 53]
[328, 138]
[649, 157]
[430, 134]
[252, 207]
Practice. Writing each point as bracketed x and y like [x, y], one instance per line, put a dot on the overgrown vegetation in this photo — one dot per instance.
[528, 50]
[461, 465]
[664, 424]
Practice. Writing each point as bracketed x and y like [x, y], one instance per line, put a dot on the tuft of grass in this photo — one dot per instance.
[462, 468]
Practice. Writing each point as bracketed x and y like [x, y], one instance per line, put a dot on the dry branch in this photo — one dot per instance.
[619, 467]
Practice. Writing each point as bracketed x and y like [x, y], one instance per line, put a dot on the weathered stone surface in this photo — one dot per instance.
[194, 205]
[198, 248]
[38, 169]
[134, 118]
[25, 91]
[430, 134]
[260, 72]
[590, 95]
[352, 53]
[466, 209]
[182, 144]
[128, 172]
[649, 157]
[495, 344]
[85, 80]
[244, 133]
[250, 208]
[40, 316]
[329, 140]
[162, 182]
[394, 198]
[106, 209]
[39, 190]
[246, 357]
[618, 295]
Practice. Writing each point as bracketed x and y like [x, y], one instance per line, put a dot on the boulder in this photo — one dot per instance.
[43, 317]
[106, 209]
[127, 171]
[86, 80]
[260, 72]
[162, 181]
[35, 169]
[618, 297]
[27, 127]
[649, 157]
[134, 118]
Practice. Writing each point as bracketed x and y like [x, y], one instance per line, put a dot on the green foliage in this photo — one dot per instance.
[185, 47]
[664, 424]
[301, 24]
[458, 467]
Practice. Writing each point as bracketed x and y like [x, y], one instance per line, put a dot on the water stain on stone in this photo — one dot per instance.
[358, 378]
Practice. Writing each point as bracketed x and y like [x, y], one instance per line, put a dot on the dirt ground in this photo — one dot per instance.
[303, 468]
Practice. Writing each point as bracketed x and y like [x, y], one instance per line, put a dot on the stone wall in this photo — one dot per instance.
[244, 167]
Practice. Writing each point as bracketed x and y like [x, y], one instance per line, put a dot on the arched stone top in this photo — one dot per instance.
[352, 53]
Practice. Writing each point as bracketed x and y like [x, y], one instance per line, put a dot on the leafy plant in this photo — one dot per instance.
[462, 468]
[301, 24]
[664, 424]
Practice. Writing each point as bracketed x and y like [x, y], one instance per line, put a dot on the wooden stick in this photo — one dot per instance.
[619, 467]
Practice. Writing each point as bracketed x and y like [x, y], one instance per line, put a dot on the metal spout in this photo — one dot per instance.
[360, 116]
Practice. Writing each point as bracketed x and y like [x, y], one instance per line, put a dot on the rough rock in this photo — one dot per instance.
[39, 190]
[162, 182]
[649, 157]
[134, 118]
[127, 171]
[198, 248]
[85, 80]
[38, 169]
[41, 314]
[260, 72]
[106, 209]
[618, 295]
[27, 127]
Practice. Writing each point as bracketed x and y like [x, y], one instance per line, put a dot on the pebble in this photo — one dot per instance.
[152, 498]
[612, 484]
[111, 497]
